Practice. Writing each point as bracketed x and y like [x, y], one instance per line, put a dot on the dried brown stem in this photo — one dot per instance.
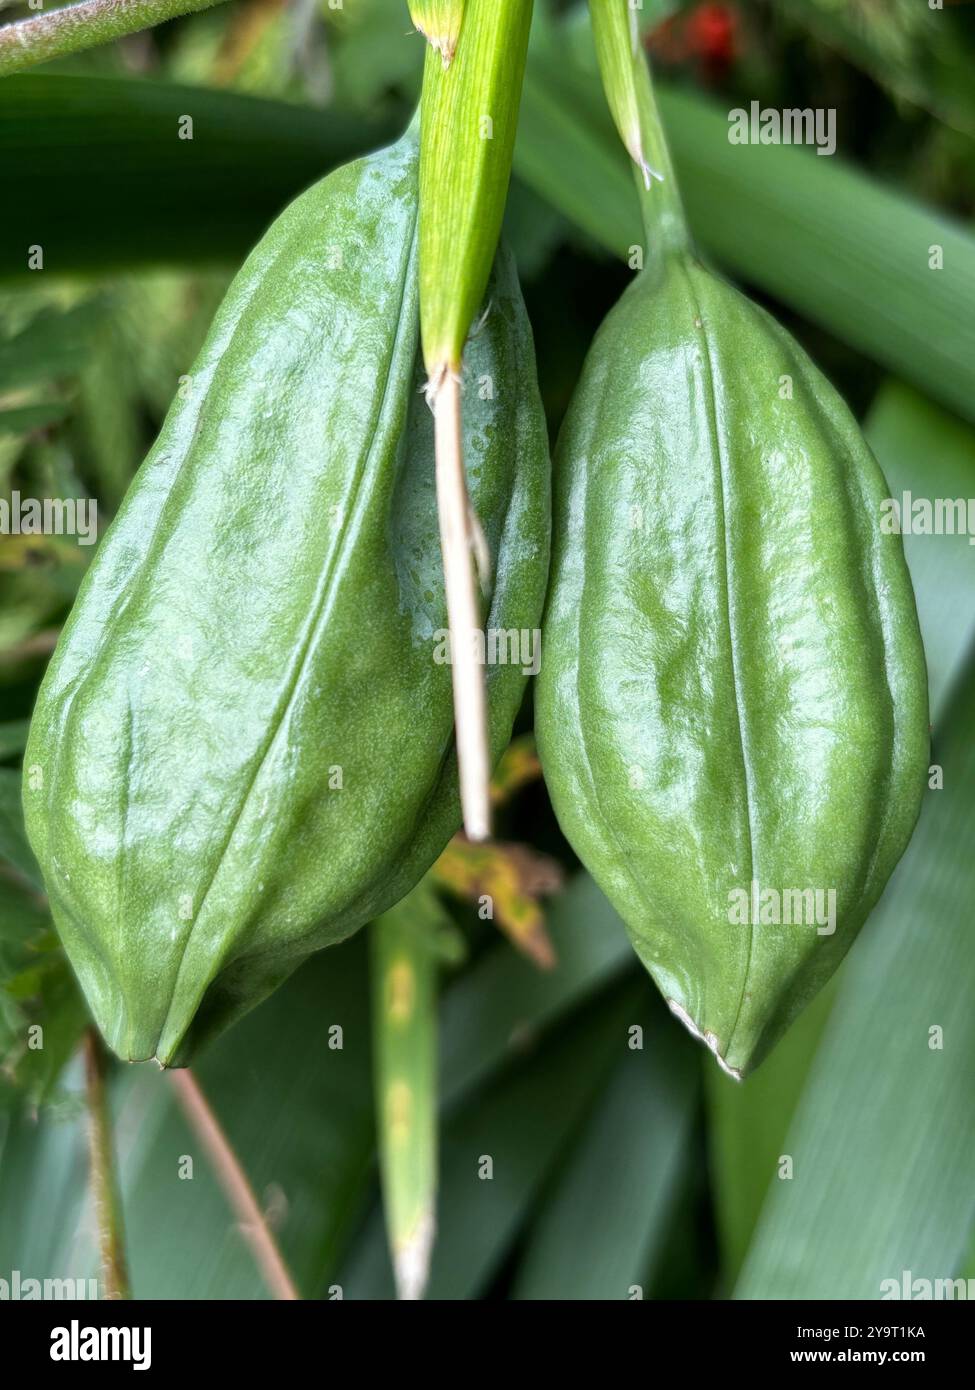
[463, 611]
[104, 1188]
[234, 1181]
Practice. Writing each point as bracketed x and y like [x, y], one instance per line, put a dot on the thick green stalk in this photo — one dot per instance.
[469, 115]
[439, 22]
[104, 1186]
[77, 27]
[405, 951]
[469, 119]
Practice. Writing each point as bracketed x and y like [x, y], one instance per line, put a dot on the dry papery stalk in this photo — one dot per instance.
[237, 1189]
[458, 545]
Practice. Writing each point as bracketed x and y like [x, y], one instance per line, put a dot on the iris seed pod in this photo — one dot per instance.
[732, 704]
[243, 747]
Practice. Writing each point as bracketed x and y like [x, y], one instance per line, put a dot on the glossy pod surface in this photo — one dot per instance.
[732, 702]
[243, 747]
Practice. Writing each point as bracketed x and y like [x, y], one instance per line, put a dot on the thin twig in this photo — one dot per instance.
[76, 27]
[234, 1181]
[467, 671]
[104, 1188]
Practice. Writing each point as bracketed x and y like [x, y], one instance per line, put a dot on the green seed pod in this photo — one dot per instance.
[243, 746]
[732, 707]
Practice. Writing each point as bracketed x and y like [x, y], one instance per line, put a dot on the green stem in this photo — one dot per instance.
[660, 204]
[76, 27]
[104, 1188]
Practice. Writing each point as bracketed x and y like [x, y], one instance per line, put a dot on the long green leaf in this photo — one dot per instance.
[568, 152]
[748, 1127]
[112, 147]
[636, 1147]
[843, 250]
[43, 1171]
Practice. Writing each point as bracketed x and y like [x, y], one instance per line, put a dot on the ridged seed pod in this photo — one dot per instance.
[243, 747]
[732, 705]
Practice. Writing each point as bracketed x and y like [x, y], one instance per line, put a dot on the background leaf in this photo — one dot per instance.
[883, 1135]
[505, 1002]
[609, 1169]
[13, 737]
[924, 450]
[112, 146]
[297, 1112]
[838, 247]
[602, 1225]
[14, 848]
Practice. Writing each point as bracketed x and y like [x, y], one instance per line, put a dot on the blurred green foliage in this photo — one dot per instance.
[616, 1172]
